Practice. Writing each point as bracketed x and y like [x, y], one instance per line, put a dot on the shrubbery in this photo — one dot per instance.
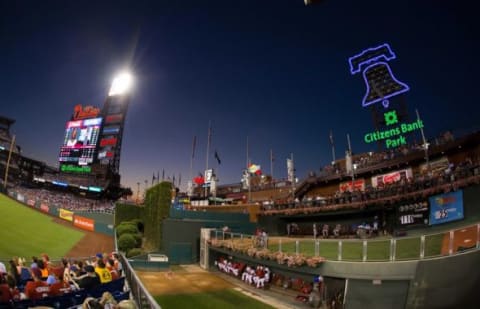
[134, 252]
[127, 228]
[126, 242]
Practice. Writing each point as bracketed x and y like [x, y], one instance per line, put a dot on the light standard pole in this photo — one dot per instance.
[145, 192]
[8, 162]
[425, 144]
[138, 192]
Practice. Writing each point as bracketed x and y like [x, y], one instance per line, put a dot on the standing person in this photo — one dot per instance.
[264, 239]
[288, 229]
[325, 231]
[315, 231]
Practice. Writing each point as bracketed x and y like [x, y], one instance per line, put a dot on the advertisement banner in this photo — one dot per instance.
[84, 223]
[358, 185]
[66, 214]
[446, 207]
[44, 207]
[392, 177]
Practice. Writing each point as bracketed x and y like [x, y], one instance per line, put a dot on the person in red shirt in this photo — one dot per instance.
[8, 291]
[37, 288]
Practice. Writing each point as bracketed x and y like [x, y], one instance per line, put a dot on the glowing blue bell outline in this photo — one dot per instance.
[370, 60]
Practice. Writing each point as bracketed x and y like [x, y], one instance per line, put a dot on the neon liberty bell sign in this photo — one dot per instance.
[378, 77]
[382, 85]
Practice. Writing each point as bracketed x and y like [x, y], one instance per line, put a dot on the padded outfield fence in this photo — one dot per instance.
[366, 250]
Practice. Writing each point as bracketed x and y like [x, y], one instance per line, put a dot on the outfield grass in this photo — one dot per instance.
[352, 250]
[221, 299]
[27, 232]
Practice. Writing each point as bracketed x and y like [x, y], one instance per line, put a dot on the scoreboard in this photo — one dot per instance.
[413, 214]
[80, 141]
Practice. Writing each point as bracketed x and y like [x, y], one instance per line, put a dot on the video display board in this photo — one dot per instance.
[413, 213]
[446, 207]
[80, 141]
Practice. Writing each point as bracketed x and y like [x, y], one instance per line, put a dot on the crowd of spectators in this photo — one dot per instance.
[419, 186]
[42, 278]
[65, 200]
[373, 158]
[79, 180]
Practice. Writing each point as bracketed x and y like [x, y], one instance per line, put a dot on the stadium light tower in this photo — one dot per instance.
[121, 84]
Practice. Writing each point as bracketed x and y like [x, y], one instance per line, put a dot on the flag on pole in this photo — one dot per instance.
[199, 180]
[217, 157]
[179, 180]
[163, 174]
[290, 170]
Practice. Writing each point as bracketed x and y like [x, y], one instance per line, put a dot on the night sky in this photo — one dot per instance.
[274, 71]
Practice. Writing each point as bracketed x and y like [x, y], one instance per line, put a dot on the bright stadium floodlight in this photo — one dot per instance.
[121, 84]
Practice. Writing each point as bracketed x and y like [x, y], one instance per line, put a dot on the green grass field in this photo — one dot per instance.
[27, 232]
[377, 250]
[222, 299]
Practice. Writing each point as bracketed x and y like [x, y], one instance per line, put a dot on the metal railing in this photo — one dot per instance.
[380, 248]
[138, 291]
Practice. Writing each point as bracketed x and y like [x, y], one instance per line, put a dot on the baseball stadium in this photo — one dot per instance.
[387, 229]
[398, 227]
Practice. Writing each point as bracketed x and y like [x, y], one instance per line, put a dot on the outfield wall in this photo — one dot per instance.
[181, 233]
[447, 282]
[86, 221]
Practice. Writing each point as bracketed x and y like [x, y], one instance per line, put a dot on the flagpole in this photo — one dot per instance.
[248, 175]
[293, 178]
[271, 163]
[332, 144]
[138, 193]
[425, 144]
[351, 160]
[194, 143]
[208, 151]
[8, 162]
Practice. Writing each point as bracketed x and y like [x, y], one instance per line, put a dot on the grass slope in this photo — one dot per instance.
[27, 232]
[222, 299]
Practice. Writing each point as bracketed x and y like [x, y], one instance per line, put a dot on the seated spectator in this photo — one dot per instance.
[88, 281]
[111, 268]
[23, 271]
[102, 272]
[3, 269]
[43, 268]
[57, 287]
[117, 264]
[8, 291]
[37, 288]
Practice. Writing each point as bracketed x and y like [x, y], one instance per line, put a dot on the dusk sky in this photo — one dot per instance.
[275, 71]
